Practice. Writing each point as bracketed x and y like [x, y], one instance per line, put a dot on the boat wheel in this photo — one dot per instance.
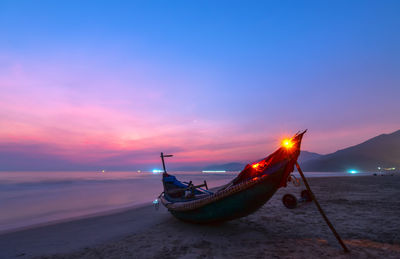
[290, 201]
[306, 195]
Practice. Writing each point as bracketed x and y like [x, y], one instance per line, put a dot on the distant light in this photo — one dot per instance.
[389, 169]
[353, 171]
[214, 171]
[156, 171]
[379, 168]
[138, 171]
[287, 143]
[103, 171]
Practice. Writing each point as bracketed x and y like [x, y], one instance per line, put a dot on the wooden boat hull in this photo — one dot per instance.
[250, 190]
[234, 206]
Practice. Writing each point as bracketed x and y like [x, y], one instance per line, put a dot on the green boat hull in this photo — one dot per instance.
[234, 206]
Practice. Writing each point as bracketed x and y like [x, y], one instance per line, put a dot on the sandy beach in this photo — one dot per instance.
[365, 211]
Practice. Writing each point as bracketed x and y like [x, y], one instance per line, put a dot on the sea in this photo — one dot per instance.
[33, 198]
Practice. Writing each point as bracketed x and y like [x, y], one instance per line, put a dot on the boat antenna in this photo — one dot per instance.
[163, 163]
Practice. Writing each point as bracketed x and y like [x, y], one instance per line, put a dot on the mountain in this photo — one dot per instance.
[235, 166]
[380, 151]
[306, 156]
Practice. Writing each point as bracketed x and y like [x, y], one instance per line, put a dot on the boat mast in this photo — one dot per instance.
[163, 163]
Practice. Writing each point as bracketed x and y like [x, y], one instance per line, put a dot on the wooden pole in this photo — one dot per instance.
[163, 163]
[346, 250]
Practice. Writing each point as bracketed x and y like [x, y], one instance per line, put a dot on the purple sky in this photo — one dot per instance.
[113, 83]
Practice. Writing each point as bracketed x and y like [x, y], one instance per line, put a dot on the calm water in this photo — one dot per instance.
[28, 198]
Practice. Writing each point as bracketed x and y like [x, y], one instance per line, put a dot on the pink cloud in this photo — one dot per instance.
[36, 109]
[79, 112]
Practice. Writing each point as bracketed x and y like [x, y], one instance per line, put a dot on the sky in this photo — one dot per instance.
[111, 84]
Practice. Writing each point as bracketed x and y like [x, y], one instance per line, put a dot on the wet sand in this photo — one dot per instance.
[364, 210]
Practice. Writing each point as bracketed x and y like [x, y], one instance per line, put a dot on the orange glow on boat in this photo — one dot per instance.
[256, 165]
[287, 143]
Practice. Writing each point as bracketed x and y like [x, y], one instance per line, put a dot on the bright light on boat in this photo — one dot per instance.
[256, 165]
[156, 171]
[353, 171]
[287, 143]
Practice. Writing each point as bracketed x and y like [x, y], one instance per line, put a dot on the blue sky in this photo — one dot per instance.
[224, 79]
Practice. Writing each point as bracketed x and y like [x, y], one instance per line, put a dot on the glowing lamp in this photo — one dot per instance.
[287, 143]
[352, 171]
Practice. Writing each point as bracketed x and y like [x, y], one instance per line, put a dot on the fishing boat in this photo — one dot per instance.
[246, 193]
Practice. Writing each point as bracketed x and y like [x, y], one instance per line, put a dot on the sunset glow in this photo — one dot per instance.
[112, 94]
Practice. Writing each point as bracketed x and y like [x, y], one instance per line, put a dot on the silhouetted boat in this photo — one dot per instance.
[251, 189]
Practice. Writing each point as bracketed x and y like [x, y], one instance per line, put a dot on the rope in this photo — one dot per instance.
[293, 179]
